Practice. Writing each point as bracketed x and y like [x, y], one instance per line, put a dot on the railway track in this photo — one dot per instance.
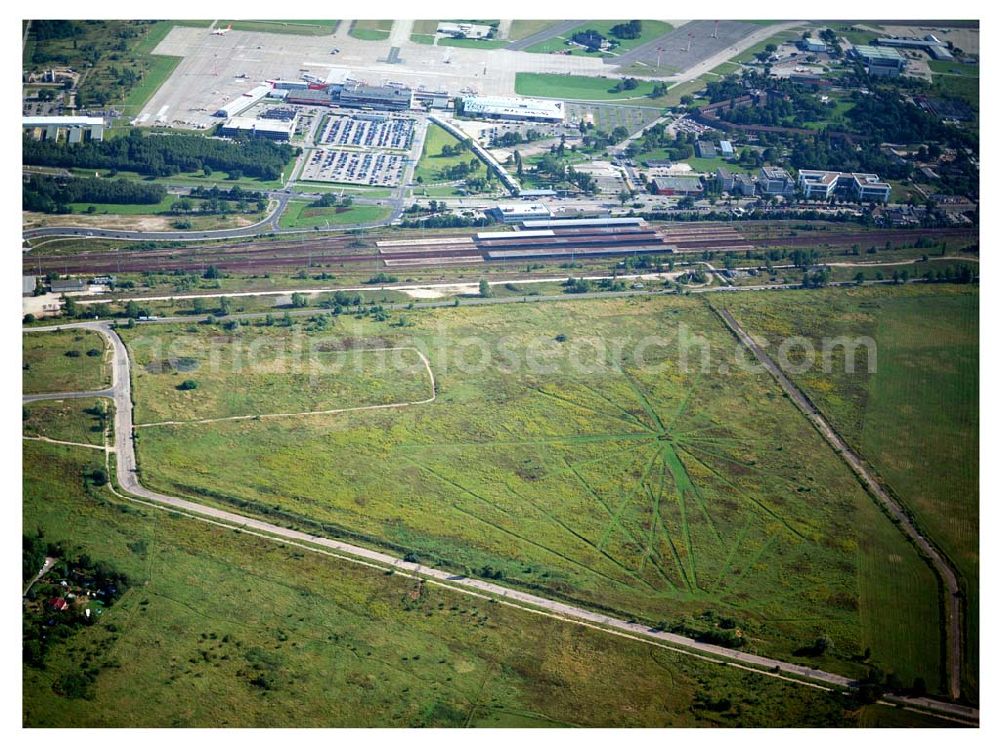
[249, 257]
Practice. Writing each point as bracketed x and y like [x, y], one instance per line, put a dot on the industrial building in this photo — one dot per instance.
[28, 284]
[270, 129]
[464, 30]
[880, 62]
[387, 97]
[516, 212]
[930, 44]
[775, 180]
[68, 286]
[682, 186]
[809, 44]
[827, 184]
[64, 129]
[240, 104]
[704, 149]
[512, 107]
[726, 149]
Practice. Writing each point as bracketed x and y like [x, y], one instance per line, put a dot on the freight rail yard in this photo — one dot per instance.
[555, 241]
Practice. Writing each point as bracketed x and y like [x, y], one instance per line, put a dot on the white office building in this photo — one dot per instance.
[512, 107]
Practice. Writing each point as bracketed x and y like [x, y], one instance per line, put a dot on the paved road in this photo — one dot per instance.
[128, 478]
[944, 571]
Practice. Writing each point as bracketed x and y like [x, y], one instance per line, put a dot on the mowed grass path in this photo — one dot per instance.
[653, 488]
[46, 366]
[916, 417]
[220, 628]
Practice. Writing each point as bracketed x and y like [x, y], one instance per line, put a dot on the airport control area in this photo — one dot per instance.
[500, 373]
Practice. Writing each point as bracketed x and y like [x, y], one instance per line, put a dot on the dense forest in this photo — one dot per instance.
[164, 155]
[51, 194]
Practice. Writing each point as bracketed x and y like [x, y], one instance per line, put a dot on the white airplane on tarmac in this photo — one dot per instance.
[222, 31]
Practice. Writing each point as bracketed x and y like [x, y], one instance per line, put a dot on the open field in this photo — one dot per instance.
[370, 30]
[72, 420]
[256, 371]
[300, 214]
[297, 26]
[272, 635]
[915, 419]
[650, 30]
[524, 28]
[59, 361]
[694, 498]
[556, 85]
[431, 161]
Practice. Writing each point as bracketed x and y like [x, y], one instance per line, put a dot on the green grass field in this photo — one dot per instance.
[370, 30]
[221, 628]
[583, 88]
[72, 420]
[297, 26]
[658, 489]
[431, 161]
[915, 419]
[650, 30]
[47, 368]
[259, 370]
[524, 28]
[301, 214]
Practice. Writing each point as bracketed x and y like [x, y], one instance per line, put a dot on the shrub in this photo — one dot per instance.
[187, 385]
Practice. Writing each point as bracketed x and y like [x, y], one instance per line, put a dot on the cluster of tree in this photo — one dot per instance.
[448, 221]
[795, 108]
[630, 30]
[51, 194]
[163, 155]
[513, 137]
[460, 170]
[234, 194]
[41, 627]
[625, 84]
[450, 151]
[578, 285]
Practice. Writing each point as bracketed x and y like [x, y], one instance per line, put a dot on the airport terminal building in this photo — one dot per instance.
[512, 107]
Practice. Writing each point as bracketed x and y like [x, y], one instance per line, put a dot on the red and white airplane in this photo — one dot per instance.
[222, 31]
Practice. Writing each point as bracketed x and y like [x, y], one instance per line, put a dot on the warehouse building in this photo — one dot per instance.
[238, 105]
[809, 44]
[880, 62]
[64, 129]
[385, 97]
[270, 129]
[827, 184]
[512, 107]
[515, 213]
[930, 44]
[677, 186]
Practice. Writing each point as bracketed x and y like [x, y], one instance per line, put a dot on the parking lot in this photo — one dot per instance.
[354, 167]
[367, 131]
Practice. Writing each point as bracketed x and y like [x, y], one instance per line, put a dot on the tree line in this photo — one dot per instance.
[54, 195]
[163, 155]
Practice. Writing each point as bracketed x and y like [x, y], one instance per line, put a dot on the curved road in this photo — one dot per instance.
[128, 480]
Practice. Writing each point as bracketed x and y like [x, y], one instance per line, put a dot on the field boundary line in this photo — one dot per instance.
[949, 587]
